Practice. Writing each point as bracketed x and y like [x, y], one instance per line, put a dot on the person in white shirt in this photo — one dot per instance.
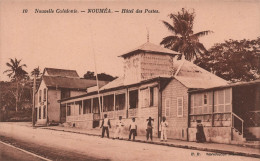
[105, 124]
[133, 129]
[164, 125]
[119, 128]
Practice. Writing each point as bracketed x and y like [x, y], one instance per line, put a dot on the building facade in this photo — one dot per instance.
[155, 84]
[57, 84]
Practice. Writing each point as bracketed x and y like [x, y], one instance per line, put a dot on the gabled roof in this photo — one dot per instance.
[192, 76]
[61, 72]
[70, 83]
[151, 48]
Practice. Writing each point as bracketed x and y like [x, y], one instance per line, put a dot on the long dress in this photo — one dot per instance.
[200, 136]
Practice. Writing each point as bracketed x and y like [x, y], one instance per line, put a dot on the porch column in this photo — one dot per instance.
[82, 107]
[114, 112]
[91, 105]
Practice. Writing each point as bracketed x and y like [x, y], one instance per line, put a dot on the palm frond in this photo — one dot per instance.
[169, 27]
[202, 33]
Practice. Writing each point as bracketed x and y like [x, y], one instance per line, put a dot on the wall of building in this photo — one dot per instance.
[53, 105]
[76, 93]
[178, 126]
[42, 103]
[154, 65]
[213, 134]
[132, 69]
[255, 131]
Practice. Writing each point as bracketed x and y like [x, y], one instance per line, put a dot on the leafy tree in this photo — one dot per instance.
[89, 75]
[183, 39]
[18, 75]
[101, 76]
[233, 60]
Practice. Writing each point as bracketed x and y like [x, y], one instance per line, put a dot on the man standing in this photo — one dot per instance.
[132, 129]
[164, 125]
[105, 124]
[119, 128]
[149, 130]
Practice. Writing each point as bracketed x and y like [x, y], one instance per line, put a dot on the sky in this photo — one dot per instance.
[70, 41]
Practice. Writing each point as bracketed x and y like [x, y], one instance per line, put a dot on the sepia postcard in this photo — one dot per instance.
[119, 80]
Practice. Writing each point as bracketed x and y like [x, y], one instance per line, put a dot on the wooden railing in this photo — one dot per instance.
[237, 123]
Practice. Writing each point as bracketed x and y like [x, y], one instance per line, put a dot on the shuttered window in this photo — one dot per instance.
[179, 106]
[167, 107]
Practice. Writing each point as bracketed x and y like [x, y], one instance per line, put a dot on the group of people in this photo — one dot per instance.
[105, 125]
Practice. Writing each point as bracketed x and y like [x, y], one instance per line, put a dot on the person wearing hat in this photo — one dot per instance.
[133, 129]
[104, 125]
[164, 125]
[200, 136]
[149, 130]
[119, 128]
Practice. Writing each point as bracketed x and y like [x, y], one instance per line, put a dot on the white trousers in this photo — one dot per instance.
[164, 134]
[118, 133]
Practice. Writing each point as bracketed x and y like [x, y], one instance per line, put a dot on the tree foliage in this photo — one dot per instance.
[101, 76]
[19, 76]
[233, 60]
[183, 39]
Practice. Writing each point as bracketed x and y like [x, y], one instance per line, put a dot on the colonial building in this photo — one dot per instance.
[155, 84]
[229, 113]
[58, 84]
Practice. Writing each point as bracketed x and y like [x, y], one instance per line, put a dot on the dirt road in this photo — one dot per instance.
[58, 145]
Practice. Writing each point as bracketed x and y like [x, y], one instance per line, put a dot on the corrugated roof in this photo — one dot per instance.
[61, 72]
[70, 83]
[149, 47]
[237, 84]
[192, 76]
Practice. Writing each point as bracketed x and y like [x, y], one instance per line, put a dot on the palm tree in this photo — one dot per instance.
[37, 72]
[17, 74]
[183, 39]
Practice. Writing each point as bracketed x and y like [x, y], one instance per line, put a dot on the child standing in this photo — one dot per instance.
[132, 129]
[164, 125]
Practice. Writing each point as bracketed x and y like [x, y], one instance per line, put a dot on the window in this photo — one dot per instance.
[144, 93]
[153, 96]
[179, 106]
[79, 106]
[222, 101]
[87, 106]
[96, 104]
[44, 94]
[167, 107]
[68, 109]
[133, 99]
[40, 112]
[40, 96]
[120, 102]
[108, 103]
[201, 103]
[205, 99]
[44, 112]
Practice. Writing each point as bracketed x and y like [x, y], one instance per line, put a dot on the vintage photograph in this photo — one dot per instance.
[119, 80]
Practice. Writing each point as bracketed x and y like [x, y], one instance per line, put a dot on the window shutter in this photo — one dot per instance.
[179, 106]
